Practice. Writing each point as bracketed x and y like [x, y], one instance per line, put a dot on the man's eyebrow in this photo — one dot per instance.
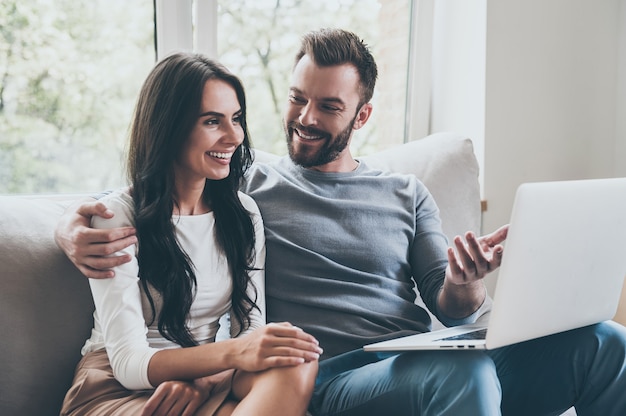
[336, 100]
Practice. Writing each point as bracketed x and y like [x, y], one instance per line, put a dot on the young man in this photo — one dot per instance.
[342, 269]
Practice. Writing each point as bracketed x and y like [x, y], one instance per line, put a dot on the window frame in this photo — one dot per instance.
[176, 21]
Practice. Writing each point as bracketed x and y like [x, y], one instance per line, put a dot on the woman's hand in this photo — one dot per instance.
[176, 398]
[183, 398]
[275, 345]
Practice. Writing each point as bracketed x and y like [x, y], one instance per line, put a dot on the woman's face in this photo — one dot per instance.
[215, 136]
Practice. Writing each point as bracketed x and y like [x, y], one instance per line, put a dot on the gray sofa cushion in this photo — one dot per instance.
[45, 309]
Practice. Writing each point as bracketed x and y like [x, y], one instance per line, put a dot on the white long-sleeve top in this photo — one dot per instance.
[122, 311]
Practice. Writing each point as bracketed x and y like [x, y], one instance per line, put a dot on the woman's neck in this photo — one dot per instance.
[189, 201]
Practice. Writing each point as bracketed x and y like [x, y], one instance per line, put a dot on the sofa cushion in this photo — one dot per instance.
[447, 165]
[45, 309]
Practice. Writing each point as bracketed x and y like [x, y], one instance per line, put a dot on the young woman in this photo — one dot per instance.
[200, 253]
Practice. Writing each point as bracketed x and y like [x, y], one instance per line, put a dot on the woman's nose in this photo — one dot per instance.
[234, 133]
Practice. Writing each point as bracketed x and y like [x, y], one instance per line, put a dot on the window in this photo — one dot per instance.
[257, 40]
[70, 72]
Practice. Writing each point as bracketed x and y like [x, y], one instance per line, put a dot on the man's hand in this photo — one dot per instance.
[477, 258]
[87, 247]
[463, 288]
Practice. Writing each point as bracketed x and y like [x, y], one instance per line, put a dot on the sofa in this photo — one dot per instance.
[45, 302]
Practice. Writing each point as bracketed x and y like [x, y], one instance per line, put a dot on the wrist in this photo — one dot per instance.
[460, 301]
[231, 353]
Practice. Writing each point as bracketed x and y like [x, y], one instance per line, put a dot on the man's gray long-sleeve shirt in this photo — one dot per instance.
[343, 250]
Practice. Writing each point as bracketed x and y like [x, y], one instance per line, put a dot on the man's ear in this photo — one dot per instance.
[362, 116]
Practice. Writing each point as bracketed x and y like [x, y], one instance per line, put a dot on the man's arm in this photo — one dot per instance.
[92, 250]
[463, 289]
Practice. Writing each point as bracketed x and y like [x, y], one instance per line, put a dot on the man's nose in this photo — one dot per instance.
[308, 115]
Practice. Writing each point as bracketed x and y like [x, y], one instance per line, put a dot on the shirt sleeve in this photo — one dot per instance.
[256, 289]
[429, 258]
[118, 307]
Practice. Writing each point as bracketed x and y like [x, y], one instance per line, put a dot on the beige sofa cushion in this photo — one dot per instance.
[446, 164]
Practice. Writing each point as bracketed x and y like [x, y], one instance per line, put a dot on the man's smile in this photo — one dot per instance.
[308, 134]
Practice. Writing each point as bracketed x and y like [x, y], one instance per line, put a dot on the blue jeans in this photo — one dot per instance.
[585, 368]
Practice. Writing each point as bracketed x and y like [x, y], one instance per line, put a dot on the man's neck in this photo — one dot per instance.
[343, 164]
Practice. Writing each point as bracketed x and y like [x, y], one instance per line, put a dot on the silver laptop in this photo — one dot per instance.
[563, 267]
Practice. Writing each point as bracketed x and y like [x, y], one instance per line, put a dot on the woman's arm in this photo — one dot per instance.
[273, 345]
[119, 316]
[257, 277]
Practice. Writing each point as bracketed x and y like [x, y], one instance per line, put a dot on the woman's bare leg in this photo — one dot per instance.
[227, 408]
[277, 391]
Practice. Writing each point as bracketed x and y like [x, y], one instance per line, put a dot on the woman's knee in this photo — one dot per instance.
[299, 379]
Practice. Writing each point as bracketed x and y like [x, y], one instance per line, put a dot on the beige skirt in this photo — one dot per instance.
[96, 392]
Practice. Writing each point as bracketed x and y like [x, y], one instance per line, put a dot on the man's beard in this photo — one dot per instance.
[329, 151]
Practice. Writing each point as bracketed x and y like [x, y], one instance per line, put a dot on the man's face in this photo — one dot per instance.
[322, 113]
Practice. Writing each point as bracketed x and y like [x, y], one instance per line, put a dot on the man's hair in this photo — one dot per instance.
[330, 47]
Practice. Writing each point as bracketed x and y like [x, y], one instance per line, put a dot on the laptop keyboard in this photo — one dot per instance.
[478, 334]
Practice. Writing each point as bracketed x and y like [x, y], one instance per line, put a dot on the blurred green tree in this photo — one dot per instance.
[70, 71]
[257, 39]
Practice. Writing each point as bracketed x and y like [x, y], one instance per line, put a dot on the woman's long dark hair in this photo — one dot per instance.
[167, 109]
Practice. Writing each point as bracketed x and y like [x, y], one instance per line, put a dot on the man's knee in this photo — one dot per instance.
[598, 343]
[605, 345]
[611, 335]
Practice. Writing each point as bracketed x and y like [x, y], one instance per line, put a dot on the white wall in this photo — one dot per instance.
[620, 130]
[554, 100]
[458, 70]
